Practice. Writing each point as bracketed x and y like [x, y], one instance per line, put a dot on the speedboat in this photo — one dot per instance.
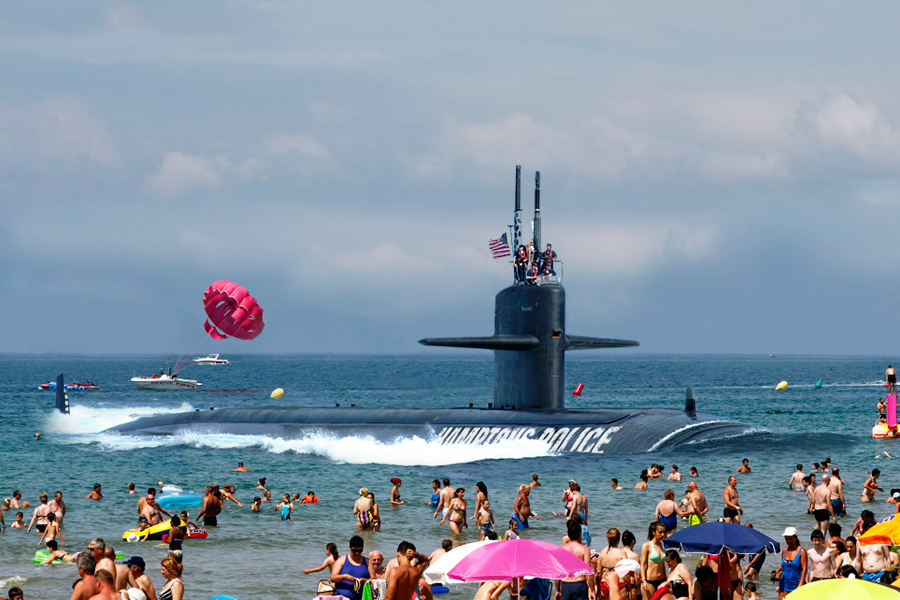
[87, 385]
[210, 359]
[162, 381]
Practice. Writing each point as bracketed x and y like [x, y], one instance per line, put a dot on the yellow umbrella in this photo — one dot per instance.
[886, 532]
[844, 589]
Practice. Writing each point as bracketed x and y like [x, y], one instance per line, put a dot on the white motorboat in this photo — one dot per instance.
[210, 359]
[161, 381]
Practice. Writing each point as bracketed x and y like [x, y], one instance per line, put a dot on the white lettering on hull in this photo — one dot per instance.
[586, 440]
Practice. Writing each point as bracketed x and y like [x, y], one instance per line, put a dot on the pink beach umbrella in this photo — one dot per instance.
[502, 561]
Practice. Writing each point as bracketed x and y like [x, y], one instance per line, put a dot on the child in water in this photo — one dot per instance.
[484, 520]
[750, 590]
[511, 532]
[19, 523]
[286, 507]
[256, 503]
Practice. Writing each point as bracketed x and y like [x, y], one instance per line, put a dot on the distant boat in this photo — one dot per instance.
[771, 356]
[87, 385]
[165, 381]
[210, 359]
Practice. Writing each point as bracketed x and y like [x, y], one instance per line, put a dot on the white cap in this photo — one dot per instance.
[626, 566]
[132, 537]
[896, 495]
[789, 531]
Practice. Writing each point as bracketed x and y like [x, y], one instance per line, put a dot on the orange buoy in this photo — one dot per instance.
[577, 390]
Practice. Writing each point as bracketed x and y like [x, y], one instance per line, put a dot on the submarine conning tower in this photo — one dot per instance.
[530, 339]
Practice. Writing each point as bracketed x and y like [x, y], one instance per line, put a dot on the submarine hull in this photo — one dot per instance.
[564, 432]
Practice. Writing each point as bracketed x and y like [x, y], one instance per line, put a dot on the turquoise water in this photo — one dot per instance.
[253, 556]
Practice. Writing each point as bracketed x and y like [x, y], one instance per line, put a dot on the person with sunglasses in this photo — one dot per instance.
[351, 571]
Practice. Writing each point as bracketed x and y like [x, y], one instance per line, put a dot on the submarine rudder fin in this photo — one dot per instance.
[62, 398]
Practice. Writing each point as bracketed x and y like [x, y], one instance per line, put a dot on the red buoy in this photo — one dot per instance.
[578, 388]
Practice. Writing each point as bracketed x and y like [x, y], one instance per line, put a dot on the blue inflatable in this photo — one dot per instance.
[439, 589]
[180, 501]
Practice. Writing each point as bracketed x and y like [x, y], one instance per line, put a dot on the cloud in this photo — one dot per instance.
[302, 144]
[844, 124]
[180, 173]
[61, 128]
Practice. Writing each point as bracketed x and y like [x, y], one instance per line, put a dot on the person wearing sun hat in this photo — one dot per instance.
[793, 563]
[395, 491]
[362, 508]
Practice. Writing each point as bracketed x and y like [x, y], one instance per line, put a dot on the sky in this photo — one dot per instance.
[716, 177]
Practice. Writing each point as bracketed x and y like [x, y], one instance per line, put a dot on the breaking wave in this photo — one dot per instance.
[88, 425]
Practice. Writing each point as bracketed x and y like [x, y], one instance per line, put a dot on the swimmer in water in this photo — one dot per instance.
[395, 491]
[870, 487]
[795, 483]
[241, 468]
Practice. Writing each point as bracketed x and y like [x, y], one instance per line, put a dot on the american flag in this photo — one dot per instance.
[500, 247]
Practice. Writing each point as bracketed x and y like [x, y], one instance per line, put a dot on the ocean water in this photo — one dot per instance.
[254, 556]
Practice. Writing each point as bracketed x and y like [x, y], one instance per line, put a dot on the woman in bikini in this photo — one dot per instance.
[376, 514]
[579, 504]
[174, 588]
[871, 486]
[457, 514]
[679, 575]
[653, 560]
[851, 557]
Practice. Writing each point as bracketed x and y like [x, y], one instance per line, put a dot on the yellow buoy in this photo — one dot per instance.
[781, 386]
[278, 393]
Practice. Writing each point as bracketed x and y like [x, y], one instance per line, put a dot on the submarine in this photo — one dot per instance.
[529, 344]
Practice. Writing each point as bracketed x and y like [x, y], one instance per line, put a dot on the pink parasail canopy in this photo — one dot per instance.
[501, 561]
[232, 312]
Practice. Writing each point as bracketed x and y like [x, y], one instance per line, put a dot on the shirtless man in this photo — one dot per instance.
[149, 508]
[95, 494]
[614, 483]
[583, 586]
[240, 468]
[822, 508]
[674, 475]
[876, 559]
[59, 507]
[104, 586]
[229, 490]
[534, 481]
[446, 496]
[821, 561]
[137, 578]
[836, 487]
[446, 546]
[376, 562]
[211, 508]
[98, 546]
[795, 483]
[403, 580]
[733, 511]
[86, 564]
[698, 507]
[607, 560]
[522, 507]
[891, 375]
[745, 466]
[121, 573]
[16, 500]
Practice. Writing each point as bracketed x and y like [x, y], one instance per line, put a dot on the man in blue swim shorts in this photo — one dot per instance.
[522, 507]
